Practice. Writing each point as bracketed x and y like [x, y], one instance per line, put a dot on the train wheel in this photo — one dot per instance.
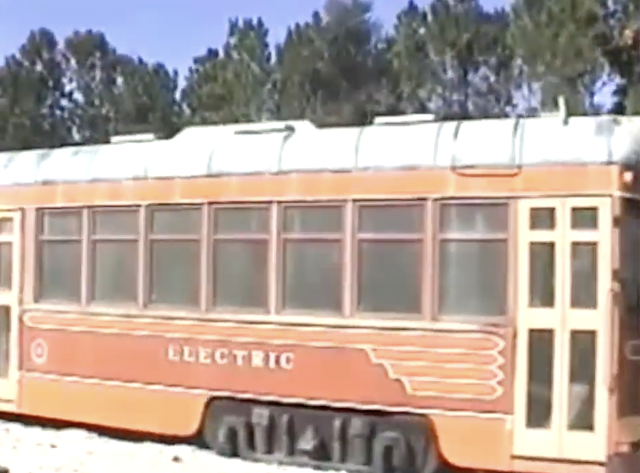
[321, 438]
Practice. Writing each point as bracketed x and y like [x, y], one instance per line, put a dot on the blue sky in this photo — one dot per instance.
[168, 30]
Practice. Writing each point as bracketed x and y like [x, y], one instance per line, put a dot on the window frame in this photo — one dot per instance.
[148, 237]
[508, 237]
[281, 237]
[422, 239]
[90, 252]
[41, 239]
[208, 254]
[348, 239]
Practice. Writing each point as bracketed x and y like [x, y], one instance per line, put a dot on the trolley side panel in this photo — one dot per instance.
[403, 371]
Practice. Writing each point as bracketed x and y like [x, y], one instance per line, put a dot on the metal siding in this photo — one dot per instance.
[299, 146]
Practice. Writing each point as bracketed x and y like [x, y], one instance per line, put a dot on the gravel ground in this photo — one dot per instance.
[36, 449]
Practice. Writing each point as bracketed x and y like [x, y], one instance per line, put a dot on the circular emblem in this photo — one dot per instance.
[39, 351]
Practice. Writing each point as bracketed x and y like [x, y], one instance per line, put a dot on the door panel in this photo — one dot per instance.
[10, 234]
[564, 265]
[587, 239]
[536, 419]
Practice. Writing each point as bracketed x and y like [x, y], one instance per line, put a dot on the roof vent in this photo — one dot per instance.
[560, 112]
[136, 138]
[404, 119]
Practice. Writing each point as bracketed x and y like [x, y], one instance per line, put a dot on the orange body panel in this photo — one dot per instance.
[71, 363]
[156, 374]
[341, 367]
[367, 185]
[181, 414]
[170, 412]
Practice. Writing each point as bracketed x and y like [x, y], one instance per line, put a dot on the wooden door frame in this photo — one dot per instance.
[543, 442]
[11, 299]
[582, 444]
[557, 441]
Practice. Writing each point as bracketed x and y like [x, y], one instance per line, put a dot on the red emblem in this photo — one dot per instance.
[39, 351]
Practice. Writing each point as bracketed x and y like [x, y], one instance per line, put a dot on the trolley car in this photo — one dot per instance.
[398, 297]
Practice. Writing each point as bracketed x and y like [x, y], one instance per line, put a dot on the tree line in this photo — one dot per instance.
[452, 58]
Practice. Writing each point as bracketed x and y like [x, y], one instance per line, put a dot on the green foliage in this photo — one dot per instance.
[335, 68]
[452, 58]
[469, 59]
[554, 40]
[235, 84]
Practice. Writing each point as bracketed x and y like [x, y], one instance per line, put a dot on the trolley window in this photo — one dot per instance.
[472, 259]
[174, 255]
[114, 247]
[59, 275]
[389, 259]
[312, 258]
[240, 257]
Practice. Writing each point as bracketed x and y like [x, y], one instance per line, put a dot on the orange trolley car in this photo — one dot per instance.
[391, 298]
